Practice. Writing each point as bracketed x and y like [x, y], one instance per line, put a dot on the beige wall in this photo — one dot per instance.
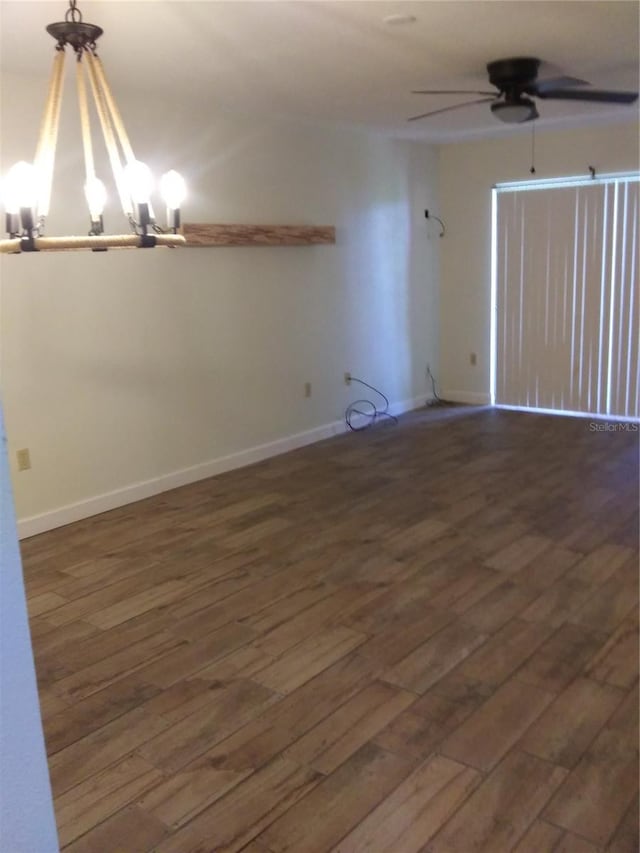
[124, 368]
[467, 173]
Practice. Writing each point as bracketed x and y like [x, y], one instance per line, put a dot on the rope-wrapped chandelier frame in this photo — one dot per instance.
[26, 190]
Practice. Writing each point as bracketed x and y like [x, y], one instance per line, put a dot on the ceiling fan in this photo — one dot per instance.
[516, 79]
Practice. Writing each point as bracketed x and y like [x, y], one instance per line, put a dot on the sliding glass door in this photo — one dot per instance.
[566, 296]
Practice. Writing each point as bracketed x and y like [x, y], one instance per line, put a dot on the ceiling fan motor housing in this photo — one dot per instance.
[513, 76]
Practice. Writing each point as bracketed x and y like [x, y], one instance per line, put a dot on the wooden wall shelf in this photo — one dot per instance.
[201, 234]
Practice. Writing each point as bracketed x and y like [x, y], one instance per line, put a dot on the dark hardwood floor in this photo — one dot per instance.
[418, 639]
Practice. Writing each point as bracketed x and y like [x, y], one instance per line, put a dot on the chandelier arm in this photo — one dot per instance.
[85, 123]
[113, 108]
[103, 241]
[46, 149]
[109, 139]
[50, 157]
[43, 135]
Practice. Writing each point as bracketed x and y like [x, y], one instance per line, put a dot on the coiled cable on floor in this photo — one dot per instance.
[373, 413]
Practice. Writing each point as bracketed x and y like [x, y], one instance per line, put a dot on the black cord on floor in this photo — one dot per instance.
[433, 385]
[373, 414]
[436, 400]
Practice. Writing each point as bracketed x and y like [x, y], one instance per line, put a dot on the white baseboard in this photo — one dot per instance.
[475, 398]
[35, 524]
[410, 405]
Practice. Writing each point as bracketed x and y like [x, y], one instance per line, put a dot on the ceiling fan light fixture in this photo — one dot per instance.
[515, 111]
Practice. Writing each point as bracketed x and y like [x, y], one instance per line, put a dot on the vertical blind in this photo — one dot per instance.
[567, 297]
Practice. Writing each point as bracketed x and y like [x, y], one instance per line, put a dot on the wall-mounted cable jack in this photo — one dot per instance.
[428, 215]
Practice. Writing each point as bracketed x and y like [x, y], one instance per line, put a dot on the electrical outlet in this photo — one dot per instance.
[347, 378]
[24, 459]
[473, 359]
[307, 389]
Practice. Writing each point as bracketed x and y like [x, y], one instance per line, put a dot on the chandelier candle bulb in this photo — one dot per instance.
[139, 181]
[20, 187]
[143, 216]
[96, 195]
[20, 190]
[12, 224]
[174, 190]
[10, 200]
[173, 219]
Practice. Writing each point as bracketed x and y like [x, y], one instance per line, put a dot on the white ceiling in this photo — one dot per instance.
[338, 61]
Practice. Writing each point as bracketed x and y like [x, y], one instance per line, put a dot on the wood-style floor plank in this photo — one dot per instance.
[497, 607]
[79, 718]
[91, 802]
[616, 661]
[430, 661]
[627, 836]
[338, 736]
[570, 843]
[561, 658]
[422, 638]
[487, 735]
[245, 811]
[541, 836]
[419, 730]
[505, 651]
[308, 658]
[130, 829]
[393, 644]
[284, 722]
[411, 815]
[611, 601]
[607, 774]
[229, 709]
[337, 803]
[501, 810]
[566, 729]
[102, 748]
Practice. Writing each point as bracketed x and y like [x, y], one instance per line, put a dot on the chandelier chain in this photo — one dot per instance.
[73, 13]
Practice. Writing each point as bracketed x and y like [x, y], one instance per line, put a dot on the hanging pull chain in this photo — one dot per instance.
[532, 170]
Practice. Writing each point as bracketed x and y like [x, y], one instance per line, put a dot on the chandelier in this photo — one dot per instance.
[26, 189]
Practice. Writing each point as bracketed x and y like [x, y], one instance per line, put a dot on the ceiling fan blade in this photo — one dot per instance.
[455, 107]
[451, 92]
[555, 83]
[595, 95]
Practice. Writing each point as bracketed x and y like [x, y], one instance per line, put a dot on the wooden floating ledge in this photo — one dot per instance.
[200, 234]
